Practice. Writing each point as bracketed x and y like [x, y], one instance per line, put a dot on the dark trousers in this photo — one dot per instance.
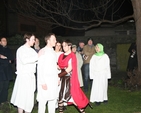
[86, 78]
[3, 91]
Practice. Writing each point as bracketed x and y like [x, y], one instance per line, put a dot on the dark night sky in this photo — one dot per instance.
[125, 10]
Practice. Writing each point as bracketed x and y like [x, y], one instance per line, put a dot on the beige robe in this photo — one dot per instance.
[79, 65]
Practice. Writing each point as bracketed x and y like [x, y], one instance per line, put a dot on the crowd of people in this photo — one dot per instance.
[60, 73]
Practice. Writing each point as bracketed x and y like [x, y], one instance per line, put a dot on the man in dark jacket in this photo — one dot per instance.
[6, 72]
[132, 61]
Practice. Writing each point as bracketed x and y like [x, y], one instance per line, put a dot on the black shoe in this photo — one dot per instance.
[90, 106]
[97, 103]
[36, 104]
[56, 109]
[64, 108]
[105, 101]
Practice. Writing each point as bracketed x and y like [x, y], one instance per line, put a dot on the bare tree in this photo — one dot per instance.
[81, 14]
[137, 17]
[72, 14]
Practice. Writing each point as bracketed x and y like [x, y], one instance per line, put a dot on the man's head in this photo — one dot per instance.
[67, 45]
[81, 44]
[50, 40]
[29, 39]
[3, 41]
[37, 42]
[58, 46]
[74, 47]
[90, 41]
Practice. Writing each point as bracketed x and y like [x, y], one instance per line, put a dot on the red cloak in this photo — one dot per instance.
[76, 92]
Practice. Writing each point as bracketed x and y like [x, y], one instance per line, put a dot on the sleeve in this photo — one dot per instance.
[85, 50]
[108, 67]
[80, 60]
[91, 67]
[40, 71]
[27, 58]
[4, 61]
[10, 56]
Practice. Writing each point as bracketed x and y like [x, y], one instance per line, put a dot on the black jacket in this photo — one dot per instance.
[6, 71]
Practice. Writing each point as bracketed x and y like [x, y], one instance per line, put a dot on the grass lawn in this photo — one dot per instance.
[120, 100]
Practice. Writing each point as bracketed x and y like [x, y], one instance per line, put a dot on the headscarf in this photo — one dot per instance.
[101, 52]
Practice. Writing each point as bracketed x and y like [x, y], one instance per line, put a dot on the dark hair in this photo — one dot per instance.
[27, 36]
[60, 43]
[80, 42]
[90, 39]
[47, 37]
[2, 38]
[69, 43]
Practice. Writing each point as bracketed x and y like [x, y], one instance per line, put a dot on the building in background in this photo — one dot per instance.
[12, 23]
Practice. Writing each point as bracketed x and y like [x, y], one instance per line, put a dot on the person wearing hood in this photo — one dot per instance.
[100, 72]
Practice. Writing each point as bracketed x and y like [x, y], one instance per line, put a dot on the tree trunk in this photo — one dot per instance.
[137, 17]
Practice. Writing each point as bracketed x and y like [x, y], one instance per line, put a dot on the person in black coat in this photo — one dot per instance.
[6, 71]
[132, 61]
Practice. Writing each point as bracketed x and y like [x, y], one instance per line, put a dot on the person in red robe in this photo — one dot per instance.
[70, 91]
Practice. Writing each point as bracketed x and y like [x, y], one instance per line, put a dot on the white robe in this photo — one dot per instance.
[47, 73]
[23, 92]
[100, 73]
[58, 54]
[79, 65]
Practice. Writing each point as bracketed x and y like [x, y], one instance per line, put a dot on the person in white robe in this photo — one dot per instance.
[24, 87]
[47, 76]
[79, 64]
[58, 50]
[100, 72]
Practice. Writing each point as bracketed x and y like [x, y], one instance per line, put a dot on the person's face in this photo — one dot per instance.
[74, 49]
[3, 42]
[66, 48]
[37, 41]
[58, 46]
[90, 42]
[52, 40]
[81, 44]
[97, 49]
[31, 41]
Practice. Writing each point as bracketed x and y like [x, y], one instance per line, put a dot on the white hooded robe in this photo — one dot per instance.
[100, 73]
